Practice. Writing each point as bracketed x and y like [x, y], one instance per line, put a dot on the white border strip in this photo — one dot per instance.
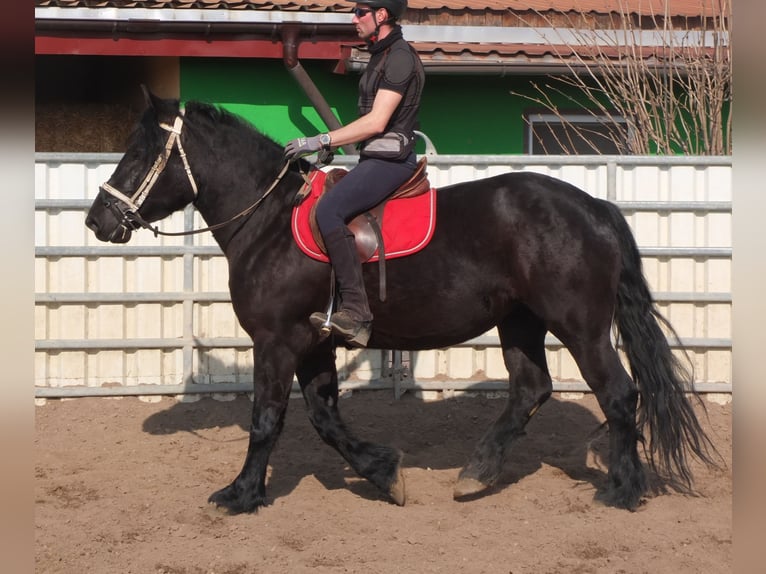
[413, 32]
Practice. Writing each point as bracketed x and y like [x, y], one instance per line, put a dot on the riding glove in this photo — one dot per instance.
[300, 147]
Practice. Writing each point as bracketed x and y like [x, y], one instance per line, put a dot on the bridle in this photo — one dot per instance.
[126, 209]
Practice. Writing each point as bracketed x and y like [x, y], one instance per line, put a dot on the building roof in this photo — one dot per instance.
[521, 36]
[640, 7]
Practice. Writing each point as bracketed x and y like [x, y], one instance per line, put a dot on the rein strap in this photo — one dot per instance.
[243, 213]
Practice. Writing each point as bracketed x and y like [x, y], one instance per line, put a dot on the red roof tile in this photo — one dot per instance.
[645, 7]
[456, 51]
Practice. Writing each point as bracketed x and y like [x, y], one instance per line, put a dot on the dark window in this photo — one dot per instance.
[574, 134]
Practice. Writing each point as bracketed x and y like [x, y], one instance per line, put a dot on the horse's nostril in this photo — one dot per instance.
[92, 223]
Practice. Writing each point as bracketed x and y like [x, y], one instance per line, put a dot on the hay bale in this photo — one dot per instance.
[83, 127]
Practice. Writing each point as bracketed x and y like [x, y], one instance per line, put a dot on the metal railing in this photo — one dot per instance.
[394, 373]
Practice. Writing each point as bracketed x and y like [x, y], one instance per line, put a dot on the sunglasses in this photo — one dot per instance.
[361, 12]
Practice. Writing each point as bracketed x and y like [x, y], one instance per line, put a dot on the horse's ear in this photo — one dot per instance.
[150, 99]
[147, 96]
[162, 108]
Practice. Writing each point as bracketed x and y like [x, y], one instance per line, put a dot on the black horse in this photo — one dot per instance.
[523, 252]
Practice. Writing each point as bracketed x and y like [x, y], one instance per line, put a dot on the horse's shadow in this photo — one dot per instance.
[437, 435]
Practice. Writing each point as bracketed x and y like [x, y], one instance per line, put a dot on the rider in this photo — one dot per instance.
[389, 99]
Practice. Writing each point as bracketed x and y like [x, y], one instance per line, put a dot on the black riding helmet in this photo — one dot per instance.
[395, 7]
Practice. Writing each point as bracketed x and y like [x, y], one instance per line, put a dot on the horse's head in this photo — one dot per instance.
[152, 180]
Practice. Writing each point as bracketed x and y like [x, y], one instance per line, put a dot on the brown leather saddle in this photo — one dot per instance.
[366, 227]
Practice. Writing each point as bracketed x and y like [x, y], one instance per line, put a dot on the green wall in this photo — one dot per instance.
[474, 114]
[264, 92]
[460, 114]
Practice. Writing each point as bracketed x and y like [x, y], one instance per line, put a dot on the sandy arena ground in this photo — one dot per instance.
[121, 487]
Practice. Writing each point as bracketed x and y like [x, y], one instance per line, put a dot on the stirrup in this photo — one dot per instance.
[356, 338]
[321, 321]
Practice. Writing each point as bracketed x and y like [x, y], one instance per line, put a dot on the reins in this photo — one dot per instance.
[245, 212]
[131, 218]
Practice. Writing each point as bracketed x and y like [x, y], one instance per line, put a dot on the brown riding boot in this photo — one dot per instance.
[352, 320]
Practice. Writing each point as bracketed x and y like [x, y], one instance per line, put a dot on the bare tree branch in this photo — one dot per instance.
[673, 92]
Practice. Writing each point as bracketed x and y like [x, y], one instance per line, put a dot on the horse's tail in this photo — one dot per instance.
[663, 408]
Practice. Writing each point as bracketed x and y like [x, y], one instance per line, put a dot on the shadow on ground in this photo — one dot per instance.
[435, 435]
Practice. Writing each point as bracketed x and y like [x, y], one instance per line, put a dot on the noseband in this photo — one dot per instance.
[126, 210]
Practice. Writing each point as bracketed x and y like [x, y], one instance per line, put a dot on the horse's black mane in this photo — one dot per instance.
[243, 139]
[217, 116]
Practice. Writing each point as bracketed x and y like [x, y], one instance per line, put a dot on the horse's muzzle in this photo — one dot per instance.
[116, 232]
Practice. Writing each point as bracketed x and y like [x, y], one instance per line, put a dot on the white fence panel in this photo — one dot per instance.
[154, 316]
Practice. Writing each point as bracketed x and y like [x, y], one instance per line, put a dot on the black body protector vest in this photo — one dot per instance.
[394, 65]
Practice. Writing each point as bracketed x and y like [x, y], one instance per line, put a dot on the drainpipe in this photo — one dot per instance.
[290, 35]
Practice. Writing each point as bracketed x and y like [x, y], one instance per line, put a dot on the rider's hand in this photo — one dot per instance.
[300, 147]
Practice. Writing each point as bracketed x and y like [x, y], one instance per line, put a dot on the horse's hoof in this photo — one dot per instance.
[397, 490]
[221, 501]
[228, 501]
[218, 509]
[467, 487]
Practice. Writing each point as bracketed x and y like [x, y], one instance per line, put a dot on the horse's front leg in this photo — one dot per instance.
[379, 464]
[274, 368]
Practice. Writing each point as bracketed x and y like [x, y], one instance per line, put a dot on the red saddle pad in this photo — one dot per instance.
[408, 224]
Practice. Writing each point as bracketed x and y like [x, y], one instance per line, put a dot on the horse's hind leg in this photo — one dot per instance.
[522, 337]
[617, 395]
[379, 464]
